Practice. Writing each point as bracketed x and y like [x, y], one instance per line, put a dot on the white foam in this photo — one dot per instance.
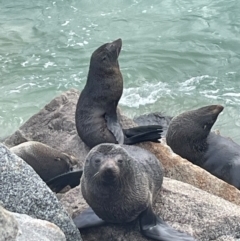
[66, 23]
[24, 63]
[232, 94]
[135, 97]
[46, 65]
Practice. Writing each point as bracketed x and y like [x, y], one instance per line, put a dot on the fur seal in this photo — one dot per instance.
[120, 183]
[96, 112]
[189, 135]
[45, 160]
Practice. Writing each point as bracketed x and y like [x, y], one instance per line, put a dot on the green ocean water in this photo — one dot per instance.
[177, 55]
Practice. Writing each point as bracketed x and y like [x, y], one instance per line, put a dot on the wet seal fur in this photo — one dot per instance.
[45, 160]
[120, 183]
[189, 135]
[96, 113]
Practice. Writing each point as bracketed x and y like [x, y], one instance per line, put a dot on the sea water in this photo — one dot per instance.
[177, 55]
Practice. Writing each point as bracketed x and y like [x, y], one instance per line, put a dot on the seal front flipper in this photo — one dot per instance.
[71, 179]
[88, 218]
[154, 227]
[114, 126]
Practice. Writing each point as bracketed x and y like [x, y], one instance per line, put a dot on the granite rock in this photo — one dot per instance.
[21, 227]
[54, 125]
[23, 191]
[182, 206]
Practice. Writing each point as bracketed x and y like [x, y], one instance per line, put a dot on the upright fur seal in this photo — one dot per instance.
[96, 112]
[189, 135]
[45, 160]
[120, 183]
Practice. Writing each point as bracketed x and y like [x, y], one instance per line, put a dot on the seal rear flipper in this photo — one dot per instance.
[154, 227]
[115, 128]
[152, 136]
[71, 179]
[142, 129]
[88, 218]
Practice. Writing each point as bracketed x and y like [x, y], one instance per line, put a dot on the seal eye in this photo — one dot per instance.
[97, 161]
[120, 161]
[58, 159]
[104, 58]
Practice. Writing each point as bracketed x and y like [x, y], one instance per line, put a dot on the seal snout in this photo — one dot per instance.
[115, 46]
[214, 109]
[109, 171]
[219, 108]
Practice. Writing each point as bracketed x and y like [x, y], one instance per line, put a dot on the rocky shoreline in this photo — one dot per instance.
[191, 200]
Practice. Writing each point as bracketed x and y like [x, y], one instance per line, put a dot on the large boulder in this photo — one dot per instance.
[54, 125]
[182, 170]
[182, 206]
[23, 191]
[21, 227]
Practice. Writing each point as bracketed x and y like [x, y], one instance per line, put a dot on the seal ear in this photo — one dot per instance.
[57, 159]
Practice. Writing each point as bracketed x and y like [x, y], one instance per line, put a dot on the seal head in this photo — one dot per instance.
[45, 160]
[107, 173]
[104, 60]
[187, 133]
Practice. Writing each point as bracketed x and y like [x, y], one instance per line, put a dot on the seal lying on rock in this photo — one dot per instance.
[120, 183]
[45, 160]
[189, 135]
[96, 112]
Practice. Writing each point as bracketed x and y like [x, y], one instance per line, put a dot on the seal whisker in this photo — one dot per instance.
[94, 177]
[96, 174]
